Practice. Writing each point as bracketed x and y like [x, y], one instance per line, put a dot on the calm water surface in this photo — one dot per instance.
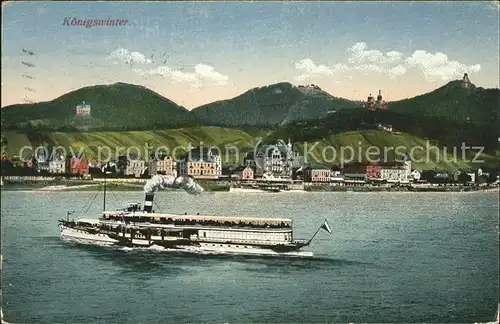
[392, 257]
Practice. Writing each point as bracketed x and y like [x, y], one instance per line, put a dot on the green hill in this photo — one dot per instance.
[448, 132]
[124, 106]
[207, 136]
[116, 106]
[135, 141]
[474, 105]
[384, 146]
[451, 114]
[271, 105]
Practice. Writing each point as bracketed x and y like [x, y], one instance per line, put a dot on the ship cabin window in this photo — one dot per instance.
[185, 221]
[132, 207]
[204, 234]
[141, 219]
[85, 223]
[164, 220]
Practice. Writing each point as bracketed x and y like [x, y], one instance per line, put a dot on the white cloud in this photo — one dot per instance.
[365, 60]
[397, 71]
[368, 68]
[129, 57]
[176, 76]
[310, 69]
[392, 63]
[139, 71]
[184, 77]
[202, 72]
[392, 72]
[439, 66]
[359, 54]
[208, 72]
[361, 59]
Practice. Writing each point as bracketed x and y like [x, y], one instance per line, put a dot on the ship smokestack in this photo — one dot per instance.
[148, 203]
[168, 181]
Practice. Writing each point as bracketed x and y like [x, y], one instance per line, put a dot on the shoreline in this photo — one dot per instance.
[82, 187]
[132, 184]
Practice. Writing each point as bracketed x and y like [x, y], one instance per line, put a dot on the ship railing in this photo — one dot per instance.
[217, 228]
[198, 223]
[196, 226]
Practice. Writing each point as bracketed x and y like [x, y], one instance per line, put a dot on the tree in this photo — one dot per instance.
[428, 175]
[464, 178]
[3, 141]
[481, 179]
[493, 177]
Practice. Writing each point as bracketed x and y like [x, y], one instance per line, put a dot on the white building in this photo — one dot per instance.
[335, 173]
[269, 161]
[201, 163]
[407, 166]
[163, 165]
[415, 175]
[42, 157]
[387, 128]
[57, 166]
[393, 174]
[277, 160]
[397, 172]
[135, 167]
[215, 156]
[83, 109]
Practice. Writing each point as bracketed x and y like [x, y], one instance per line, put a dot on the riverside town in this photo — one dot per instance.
[275, 166]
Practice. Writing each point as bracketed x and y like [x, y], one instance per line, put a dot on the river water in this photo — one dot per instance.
[392, 257]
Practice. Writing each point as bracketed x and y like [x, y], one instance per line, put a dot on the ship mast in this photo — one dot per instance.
[104, 198]
[106, 172]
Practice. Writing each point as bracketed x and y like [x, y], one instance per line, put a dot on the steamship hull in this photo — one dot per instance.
[102, 239]
[141, 227]
[96, 236]
[79, 236]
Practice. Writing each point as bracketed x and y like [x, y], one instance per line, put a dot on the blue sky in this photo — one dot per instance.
[195, 53]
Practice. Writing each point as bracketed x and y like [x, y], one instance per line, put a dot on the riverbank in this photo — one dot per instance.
[131, 184]
[112, 184]
[401, 189]
[213, 187]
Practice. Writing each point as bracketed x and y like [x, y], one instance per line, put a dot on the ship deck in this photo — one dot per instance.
[173, 227]
[158, 216]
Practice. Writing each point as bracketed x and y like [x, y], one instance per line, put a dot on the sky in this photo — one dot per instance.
[199, 52]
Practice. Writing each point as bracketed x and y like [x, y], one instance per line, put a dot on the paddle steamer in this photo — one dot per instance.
[136, 226]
